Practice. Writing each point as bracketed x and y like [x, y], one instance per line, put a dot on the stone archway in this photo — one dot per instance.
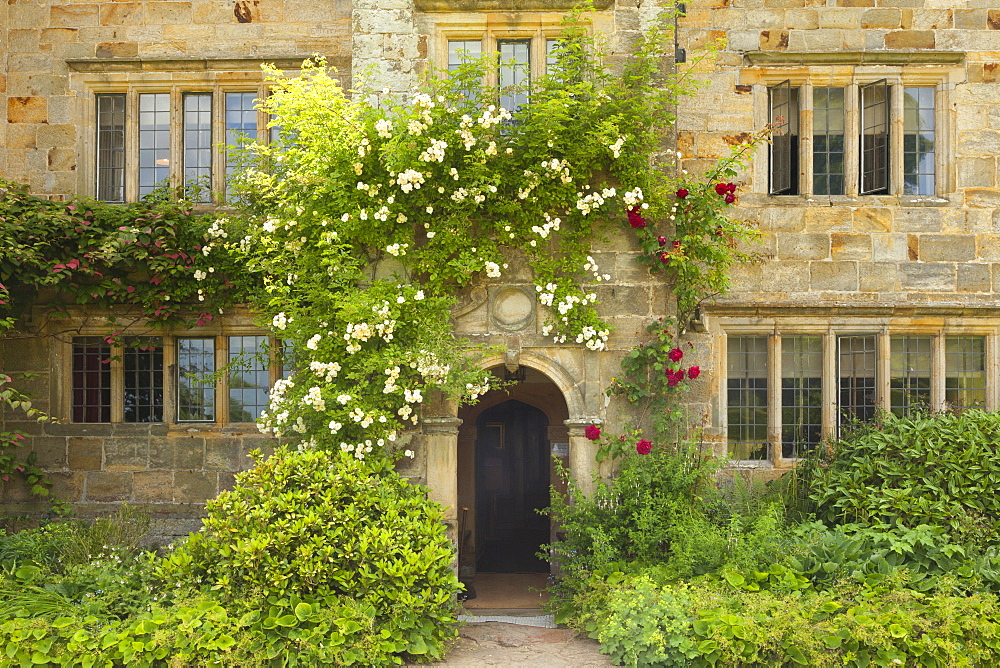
[505, 467]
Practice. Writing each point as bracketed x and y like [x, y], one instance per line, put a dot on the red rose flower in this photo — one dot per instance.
[694, 372]
[730, 198]
[662, 241]
[675, 354]
[664, 258]
[682, 192]
[674, 377]
[593, 432]
[635, 218]
[721, 189]
[731, 187]
[643, 447]
[676, 244]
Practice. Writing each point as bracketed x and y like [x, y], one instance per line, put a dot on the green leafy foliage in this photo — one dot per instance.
[940, 470]
[645, 623]
[140, 259]
[661, 511]
[330, 527]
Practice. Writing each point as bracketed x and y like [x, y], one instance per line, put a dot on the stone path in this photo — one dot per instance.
[500, 644]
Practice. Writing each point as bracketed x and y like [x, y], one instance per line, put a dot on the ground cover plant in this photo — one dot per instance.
[880, 550]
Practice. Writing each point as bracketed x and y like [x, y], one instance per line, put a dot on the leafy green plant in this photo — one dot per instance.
[325, 525]
[940, 470]
[641, 622]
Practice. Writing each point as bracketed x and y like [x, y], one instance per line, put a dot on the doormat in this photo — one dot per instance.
[539, 621]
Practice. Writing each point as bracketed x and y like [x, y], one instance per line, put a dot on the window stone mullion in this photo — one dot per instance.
[852, 141]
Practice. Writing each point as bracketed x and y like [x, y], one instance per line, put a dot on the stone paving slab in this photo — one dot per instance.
[484, 644]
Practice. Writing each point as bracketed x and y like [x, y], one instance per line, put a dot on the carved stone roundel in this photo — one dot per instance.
[512, 308]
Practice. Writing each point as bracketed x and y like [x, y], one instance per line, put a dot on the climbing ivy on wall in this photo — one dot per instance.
[154, 263]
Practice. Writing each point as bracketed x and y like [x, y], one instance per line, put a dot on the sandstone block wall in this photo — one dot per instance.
[835, 258]
[43, 136]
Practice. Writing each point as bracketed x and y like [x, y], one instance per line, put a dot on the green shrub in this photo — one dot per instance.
[334, 531]
[666, 511]
[940, 470]
[641, 622]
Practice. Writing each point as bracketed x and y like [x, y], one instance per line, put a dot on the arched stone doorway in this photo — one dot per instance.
[505, 469]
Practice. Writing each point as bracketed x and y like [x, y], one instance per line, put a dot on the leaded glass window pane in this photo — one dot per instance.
[91, 379]
[910, 374]
[918, 141]
[249, 378]
[198, 145]
[196, 380]
[515, 73]
[828, 141]
[801, 394]
[154, 141]
[965, 371]
[111, 147]
[241, 125]
[747, 397]
[142, 359]
[856, 374]
[783, 102]
[875, 138]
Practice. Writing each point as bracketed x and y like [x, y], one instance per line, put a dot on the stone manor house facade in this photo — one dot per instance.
[878, 203]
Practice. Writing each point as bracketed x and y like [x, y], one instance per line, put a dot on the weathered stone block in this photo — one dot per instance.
[50, 451]
[105, 486]
[222, 454]
[195, 486]
[947, 248]
[117, 50]
[848, 19]
[979, 143]
[785, 276]
[628, 298]
[850, 246]
[917, 219]
[126, 454]
[85, 453]
[27, 110]
[803, 246]
[993, 19]
[878, 277]
[924, 276]
[881, 18]
[910, 39]
[977, 172]
[62, 159]
[153, 486]
[190, 454]
[22, 135]
[74, 16]
[926, 19]
[56, 136]
[969, 19]
[120, 13]
[855, 3]
[816, 40]
[833, 276]
[160, 12]
[67, 485]
[983, 197]
[889, 247]
[973, 277]
[773, 40]
[828, 218]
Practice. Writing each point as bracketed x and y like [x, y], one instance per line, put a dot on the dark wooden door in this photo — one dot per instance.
[512, 484]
